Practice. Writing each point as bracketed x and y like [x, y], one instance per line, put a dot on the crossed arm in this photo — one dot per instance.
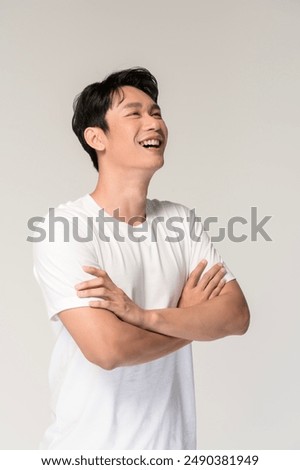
[116, 332]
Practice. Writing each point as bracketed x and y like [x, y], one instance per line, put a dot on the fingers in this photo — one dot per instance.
[102, 278]
[96, 287]
[216, 284]
[95, 271]
[100, 304]
[91, 283]
[217, 270]
[217, 289]
[196, 273]
[111, 297]
[97, 292]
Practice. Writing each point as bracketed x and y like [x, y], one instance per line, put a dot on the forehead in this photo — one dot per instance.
[127, 94]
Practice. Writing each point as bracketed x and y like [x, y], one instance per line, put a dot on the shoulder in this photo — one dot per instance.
[69, 209]
[60, 222]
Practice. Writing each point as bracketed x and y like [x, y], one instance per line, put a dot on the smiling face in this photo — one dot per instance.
[137, 135]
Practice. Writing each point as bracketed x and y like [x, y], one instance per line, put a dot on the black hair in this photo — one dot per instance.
[91, 105]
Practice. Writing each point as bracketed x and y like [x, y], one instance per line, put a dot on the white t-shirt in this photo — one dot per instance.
[147, 406]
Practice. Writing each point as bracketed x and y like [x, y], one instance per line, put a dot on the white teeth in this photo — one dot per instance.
[155, 142]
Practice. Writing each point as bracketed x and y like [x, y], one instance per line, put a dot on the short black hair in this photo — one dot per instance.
[91, 105]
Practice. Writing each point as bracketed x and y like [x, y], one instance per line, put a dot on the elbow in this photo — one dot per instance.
[106, 363]
[106, 360]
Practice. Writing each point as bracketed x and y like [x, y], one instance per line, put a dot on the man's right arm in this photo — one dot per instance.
[109, 342]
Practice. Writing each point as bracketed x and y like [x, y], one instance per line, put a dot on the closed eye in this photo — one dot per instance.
[135, 113]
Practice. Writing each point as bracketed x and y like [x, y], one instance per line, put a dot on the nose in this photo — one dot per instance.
[151, 123]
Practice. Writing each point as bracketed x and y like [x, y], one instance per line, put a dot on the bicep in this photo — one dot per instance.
[109, 342]
[95, 332]
[232, 288]
[237, 300]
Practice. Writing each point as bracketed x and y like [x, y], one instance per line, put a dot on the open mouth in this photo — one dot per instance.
[151, 143]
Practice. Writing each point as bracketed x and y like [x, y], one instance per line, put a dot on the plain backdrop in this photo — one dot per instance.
[228, 73]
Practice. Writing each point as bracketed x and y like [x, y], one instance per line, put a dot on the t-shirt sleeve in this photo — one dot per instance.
[203, 248]
[57, 267]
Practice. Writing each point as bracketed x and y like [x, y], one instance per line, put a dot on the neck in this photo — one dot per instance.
[125, 193]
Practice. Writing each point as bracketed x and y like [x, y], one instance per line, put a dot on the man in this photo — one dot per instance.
[128, 296]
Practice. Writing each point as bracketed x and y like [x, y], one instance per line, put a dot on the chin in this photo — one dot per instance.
[152, 163]
[161, 163]
[156, 165]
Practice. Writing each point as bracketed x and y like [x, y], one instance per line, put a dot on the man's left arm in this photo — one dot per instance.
[222, 315]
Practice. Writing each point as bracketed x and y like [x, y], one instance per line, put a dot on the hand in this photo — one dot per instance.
[112, 298]
[210, 285]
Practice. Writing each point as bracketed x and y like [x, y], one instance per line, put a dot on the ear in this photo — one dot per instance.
[94, 138]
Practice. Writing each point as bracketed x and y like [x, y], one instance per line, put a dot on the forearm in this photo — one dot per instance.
[138, 346]
[108, 342]
[213, 319]
[146, 335]
[225, 315]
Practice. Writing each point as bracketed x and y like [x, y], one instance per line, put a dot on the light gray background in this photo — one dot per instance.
[229, 75]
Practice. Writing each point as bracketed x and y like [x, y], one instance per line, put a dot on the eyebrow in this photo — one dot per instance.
[139, 105]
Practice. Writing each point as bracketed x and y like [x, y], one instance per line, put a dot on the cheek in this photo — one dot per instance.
[119, 135]
[164, 127]
[166, 132]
